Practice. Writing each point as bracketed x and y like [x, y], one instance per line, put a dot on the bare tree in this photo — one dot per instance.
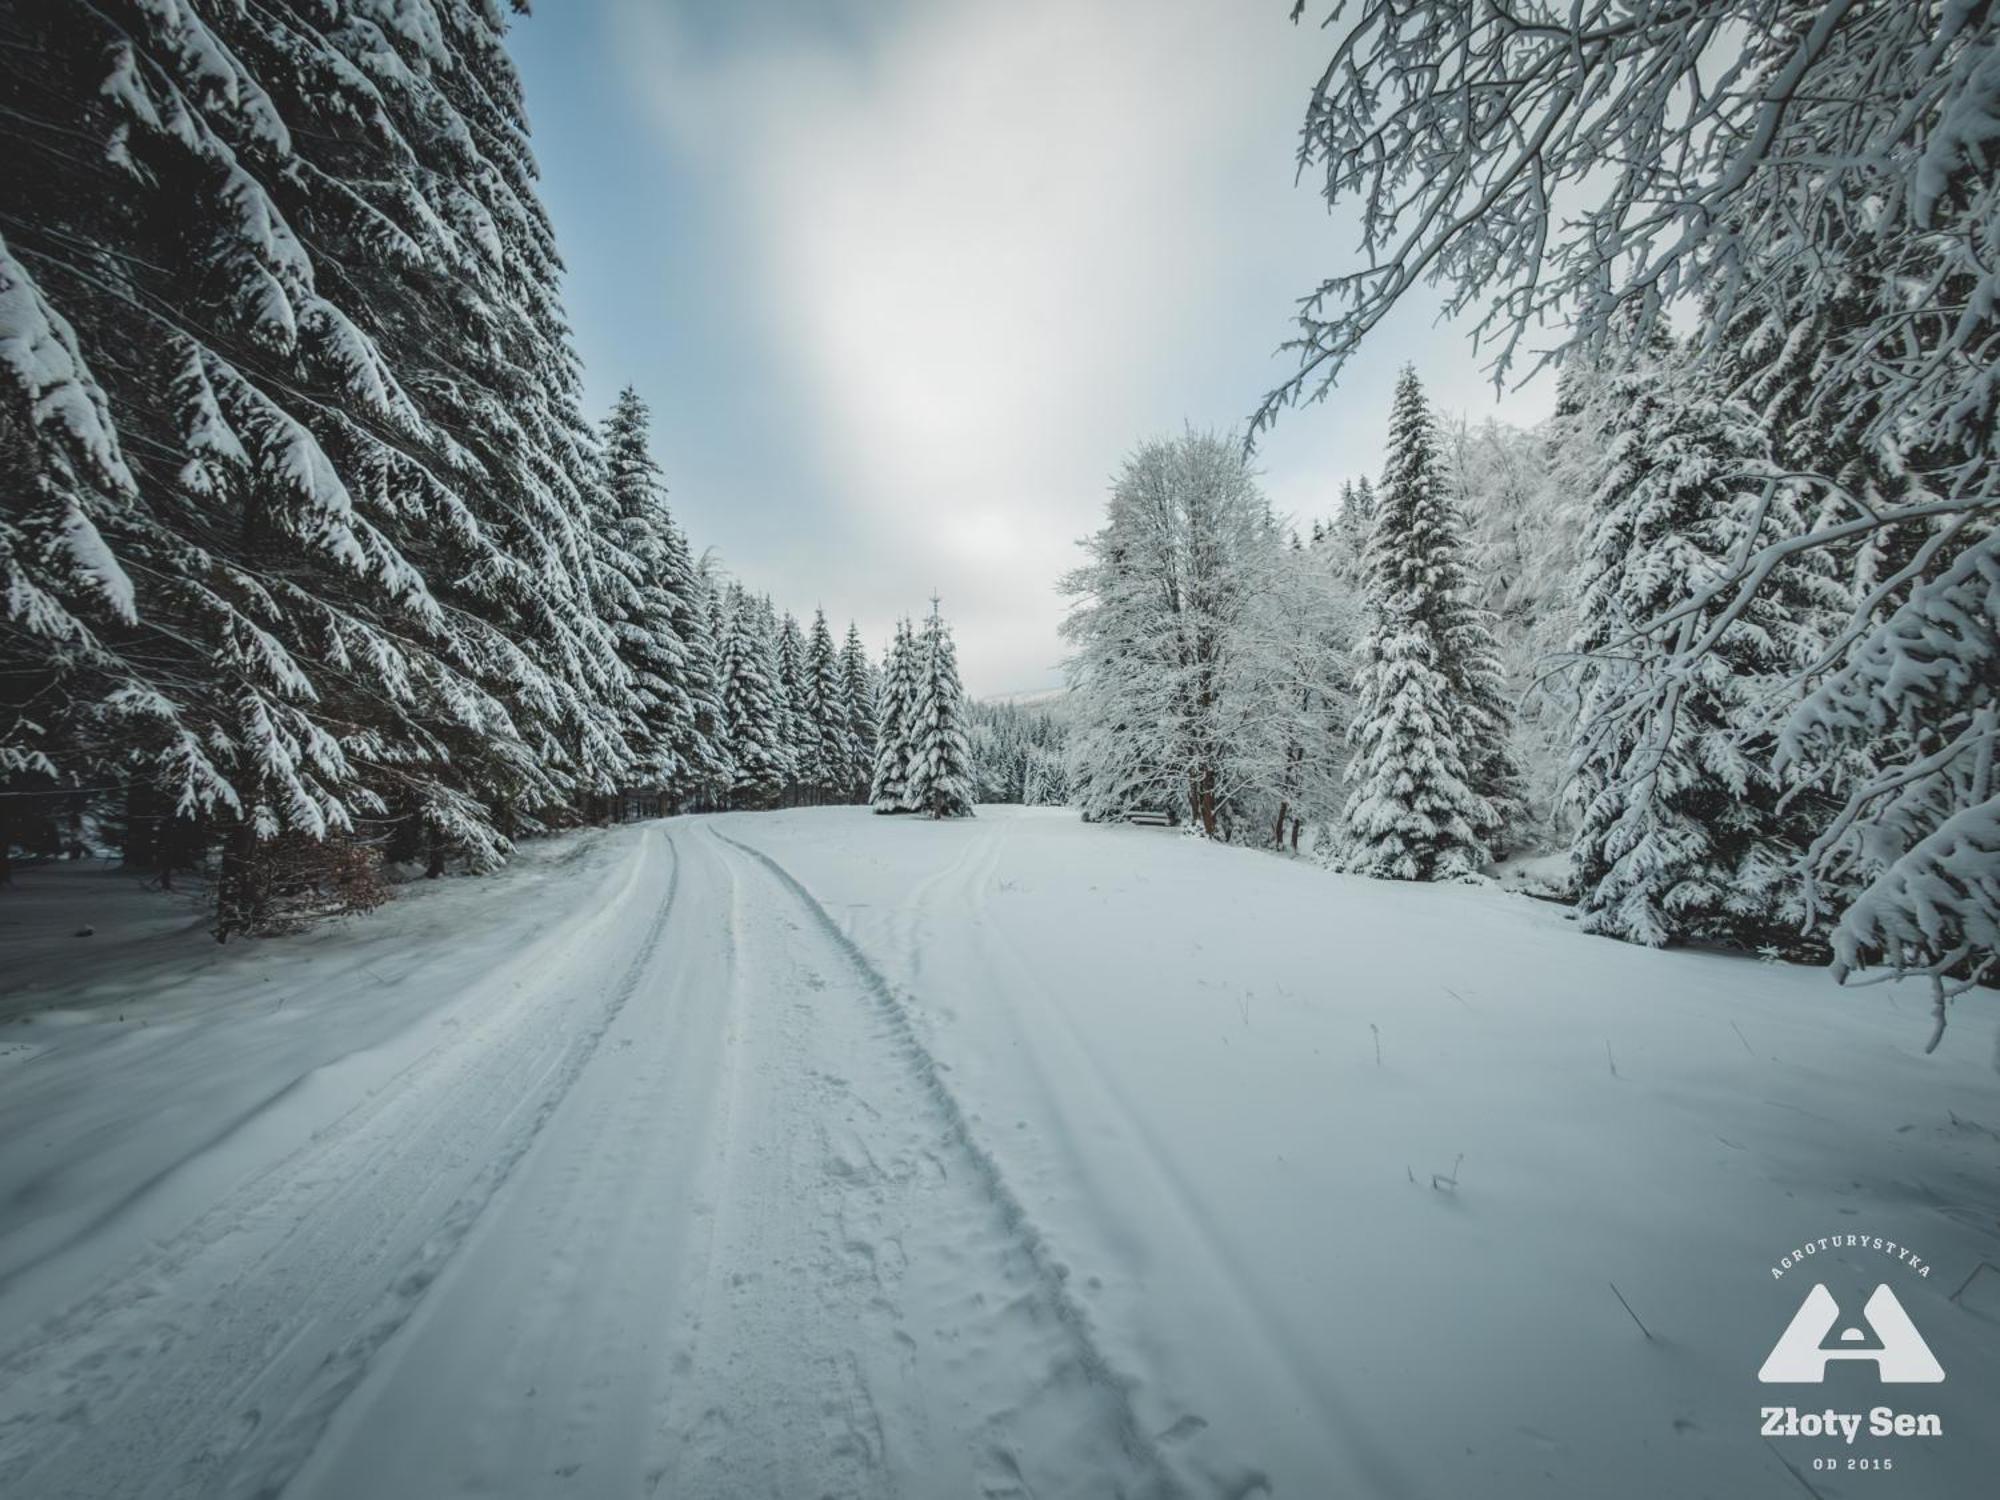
[1206, 654]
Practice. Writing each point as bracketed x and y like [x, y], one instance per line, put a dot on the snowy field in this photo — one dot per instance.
[814, 1153]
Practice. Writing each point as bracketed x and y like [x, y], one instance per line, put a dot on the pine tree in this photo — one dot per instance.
[751, 703]
[801, 737]
[1429, 725]
[940, 780]
[889, 786]
[1686, 833]
[60, 449]
[640, 607]
[858, 695]
[1355, 522]
[1906, 728]
[359, 554]
[667, 643]
[826, 711]
[613, 590]
[715, 613]
[702, 749]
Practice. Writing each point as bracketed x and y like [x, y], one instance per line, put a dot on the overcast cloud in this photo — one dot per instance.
[904, 283]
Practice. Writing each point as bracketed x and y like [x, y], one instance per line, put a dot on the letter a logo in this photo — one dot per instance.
[1901, 1356]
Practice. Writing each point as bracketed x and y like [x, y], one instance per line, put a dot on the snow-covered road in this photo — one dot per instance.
[812, 1154]
[682, 1206]
[756, 1252]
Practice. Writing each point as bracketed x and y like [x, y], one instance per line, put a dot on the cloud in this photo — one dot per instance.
[995, 246]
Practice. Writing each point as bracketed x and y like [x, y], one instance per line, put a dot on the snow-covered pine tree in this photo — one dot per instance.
[858, 696]
[708, 771]
[826, 711]
[751, 703]
[611, 587]
[511, 438]
[1686, 833]
[1907, 725]
[939, 782]
[1353, 526]
[1432, 766]
[1918, 836]
[669, 646]
[358, 552]
[702, 748]
[889, 785]
[60, 452]
[713, 597]
[1411, 813]
[801, 736]
[641, 610]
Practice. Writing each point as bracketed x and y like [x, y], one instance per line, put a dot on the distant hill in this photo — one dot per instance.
[1026, 700]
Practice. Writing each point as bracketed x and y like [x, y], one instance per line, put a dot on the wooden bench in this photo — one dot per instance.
[1148, 819]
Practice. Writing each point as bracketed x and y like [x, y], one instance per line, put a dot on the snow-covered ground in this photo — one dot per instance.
[813, 1153]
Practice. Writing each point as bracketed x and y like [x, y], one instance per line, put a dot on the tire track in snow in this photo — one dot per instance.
[1053, 1047]
[211, 1366]
[1049, 1292]
[25, 1197]
[911, 922]
[52, 1252]
[543, 1360]
[772, 1381]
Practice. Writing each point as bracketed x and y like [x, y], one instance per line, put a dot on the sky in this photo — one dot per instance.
[904, 283]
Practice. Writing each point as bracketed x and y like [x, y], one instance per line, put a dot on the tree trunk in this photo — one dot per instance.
[1201, 796]
[73, 811]
[178, 844]
[148, 841]
[235, 898]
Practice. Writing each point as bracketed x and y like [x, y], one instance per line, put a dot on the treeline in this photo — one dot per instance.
[1451, 668]
[311, 557]
[1741, 591]
[1785, 576]
[796, 713]
[1019, 752]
